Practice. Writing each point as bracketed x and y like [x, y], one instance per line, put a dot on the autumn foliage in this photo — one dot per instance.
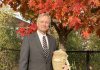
[73, 14]
[26, 30]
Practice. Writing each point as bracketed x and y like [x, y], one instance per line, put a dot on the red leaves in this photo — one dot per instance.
[45, 6]
[77, 8]
[73, 13]
[64, 9]
[40, 6]
[23, 31]
[32, 27]
[87, 31]
[94, 2]
[58, 15]
[9, 1]
[58, 3]
[31, 3]
[74, 22]
[48, 5]
[85, 34]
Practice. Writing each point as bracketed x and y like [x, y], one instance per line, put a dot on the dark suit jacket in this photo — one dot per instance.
[31, 54]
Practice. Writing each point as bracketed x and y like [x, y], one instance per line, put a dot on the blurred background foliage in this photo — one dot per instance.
[76, 42]
[8, 24]
[8, 40]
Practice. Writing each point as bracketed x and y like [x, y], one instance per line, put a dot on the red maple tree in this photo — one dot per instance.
[69, 14]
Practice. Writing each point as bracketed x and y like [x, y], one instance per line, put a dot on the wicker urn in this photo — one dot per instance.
[59, 60]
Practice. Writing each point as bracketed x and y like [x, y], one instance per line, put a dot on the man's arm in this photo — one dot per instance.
[24, 54]
[55, 44]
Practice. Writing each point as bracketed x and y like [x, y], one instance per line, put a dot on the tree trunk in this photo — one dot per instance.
[62, 33]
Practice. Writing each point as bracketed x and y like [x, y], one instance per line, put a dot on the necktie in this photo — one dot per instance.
[45, 48]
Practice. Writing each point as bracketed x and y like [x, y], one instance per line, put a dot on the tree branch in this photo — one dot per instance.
[54, 23]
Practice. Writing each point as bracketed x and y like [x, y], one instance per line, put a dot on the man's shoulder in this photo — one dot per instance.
[32, 35]
[51, 37]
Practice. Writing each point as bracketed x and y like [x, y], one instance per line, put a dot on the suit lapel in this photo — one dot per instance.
[49, 42]
[38, 43]
[50, 46]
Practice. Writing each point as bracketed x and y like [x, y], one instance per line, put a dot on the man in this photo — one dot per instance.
[37, 48]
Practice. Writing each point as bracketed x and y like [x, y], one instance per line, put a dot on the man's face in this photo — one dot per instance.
[43, 24]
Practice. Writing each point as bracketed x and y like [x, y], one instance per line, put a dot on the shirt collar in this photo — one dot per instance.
[39, 33]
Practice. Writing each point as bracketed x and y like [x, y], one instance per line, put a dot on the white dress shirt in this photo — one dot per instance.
[41, 38]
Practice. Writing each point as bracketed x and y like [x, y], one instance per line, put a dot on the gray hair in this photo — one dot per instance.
[41, 15]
